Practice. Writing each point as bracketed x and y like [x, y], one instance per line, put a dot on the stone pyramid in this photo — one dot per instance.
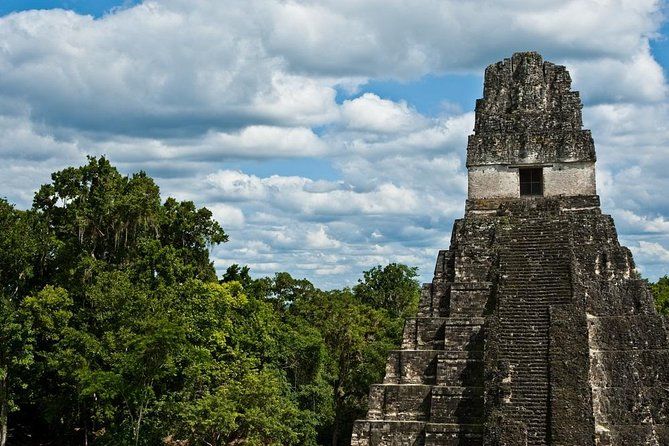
[536, 329]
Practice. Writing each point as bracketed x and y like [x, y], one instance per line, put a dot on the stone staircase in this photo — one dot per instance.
[535, 274]
[534, 331]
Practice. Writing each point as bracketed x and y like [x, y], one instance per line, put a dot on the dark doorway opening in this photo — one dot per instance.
[531, 181]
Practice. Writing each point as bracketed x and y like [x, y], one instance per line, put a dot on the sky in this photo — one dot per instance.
[326, 137]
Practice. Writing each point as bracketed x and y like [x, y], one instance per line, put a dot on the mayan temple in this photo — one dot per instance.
[536, 329]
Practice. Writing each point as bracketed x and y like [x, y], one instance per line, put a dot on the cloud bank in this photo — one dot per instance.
[261, 111]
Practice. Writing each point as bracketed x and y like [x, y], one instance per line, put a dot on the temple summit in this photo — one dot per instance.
[536, 328]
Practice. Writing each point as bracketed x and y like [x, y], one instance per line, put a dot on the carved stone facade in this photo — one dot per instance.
[535, 329]
[529, 116]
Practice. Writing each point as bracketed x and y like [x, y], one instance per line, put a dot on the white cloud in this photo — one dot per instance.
[295, 194]
[371, 113]
[651, 252]
[381, 38]
[252, 142]
[658, 225]
[319, 239]
[638, 78]
[443, 134]
[229, 217]
[174, 66]
[274, 141]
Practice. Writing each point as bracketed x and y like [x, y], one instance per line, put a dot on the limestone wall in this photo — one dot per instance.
[500, 181]
[493, 182]
[570, 179]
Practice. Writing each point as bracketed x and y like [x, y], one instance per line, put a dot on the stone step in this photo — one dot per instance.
[559, 284]
[541, 244]
[516, 329]
[433, 299]
[452, 368]
[424, 333]
[451, 434]
[524, 314]
[520, 337]
[469, 299]
[461, 405]
[415, 433]
[388, 432]
[526, 325]
[536, 274]
[523, 298]
[538, 289]
[463, 337]
[411, 367]
[399, 402]
[527, 308]
[533, 279]
[536, 248]
[539, 252]
[414, 402]
[529, 348]
[459, 371]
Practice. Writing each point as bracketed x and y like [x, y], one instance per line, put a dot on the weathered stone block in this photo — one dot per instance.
[469, 299]
[411, 367]
[388, 433]
[628, 332]
[440, 434]
[424, 333]
[457, 405]
[465, 369]
[407, 402]
[464, 335]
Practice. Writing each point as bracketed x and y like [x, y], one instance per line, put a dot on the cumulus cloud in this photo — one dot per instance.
[371, 113]
[227, 216]
[659, 224]
[633, 79]
[182, 67]
[651, 257]
[296, 194]
[632, 144]
[378, 38]
[320, 239]
[143, 69]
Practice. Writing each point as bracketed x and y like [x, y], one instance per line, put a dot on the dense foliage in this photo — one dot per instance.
[660, 291]
[115, 329]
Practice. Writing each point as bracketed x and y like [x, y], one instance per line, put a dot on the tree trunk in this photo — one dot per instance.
[138, 424]
[4, 406]
[335, 430]
[136, 429]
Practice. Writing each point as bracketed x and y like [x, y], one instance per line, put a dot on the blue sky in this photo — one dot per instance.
[327, 137]
[95, 8]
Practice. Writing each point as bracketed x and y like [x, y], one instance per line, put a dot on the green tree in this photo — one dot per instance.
[99, 215]
[124, 259]
[21, 254]
[138, 337]
[15, 354]
[660, 291]
[393, 287]
[358, 328]
[235, 389]
[236, 273]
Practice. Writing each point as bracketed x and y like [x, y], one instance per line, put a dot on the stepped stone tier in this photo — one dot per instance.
[536, 329]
